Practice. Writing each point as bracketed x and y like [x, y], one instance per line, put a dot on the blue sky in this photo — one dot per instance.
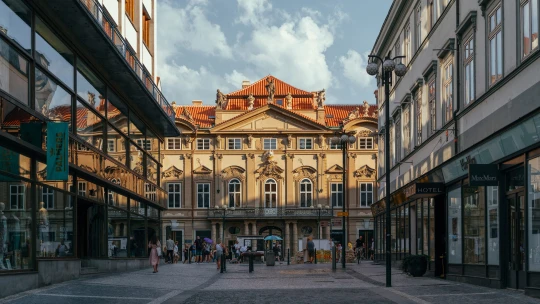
[204, 45]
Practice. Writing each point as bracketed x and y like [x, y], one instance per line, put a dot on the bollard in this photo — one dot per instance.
[250, 263]
[315, 255]
[288, 256]
[225, 263]
[189, 256]
[222, 262]
[333, 258]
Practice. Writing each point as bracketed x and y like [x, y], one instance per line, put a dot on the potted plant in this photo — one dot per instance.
[415, 265]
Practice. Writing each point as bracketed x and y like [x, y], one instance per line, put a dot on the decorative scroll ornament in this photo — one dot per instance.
[364, 172]
[305, 172]
[173, 173]
[364, 133]
[234, 172]
[269, 169]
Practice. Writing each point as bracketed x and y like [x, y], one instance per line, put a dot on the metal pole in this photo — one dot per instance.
[344, 245]
[386, 79]
[288, 256]
[315, 255]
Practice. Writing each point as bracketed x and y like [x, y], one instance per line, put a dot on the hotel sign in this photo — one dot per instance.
[419, 190]
[57, 151]
[483, 175]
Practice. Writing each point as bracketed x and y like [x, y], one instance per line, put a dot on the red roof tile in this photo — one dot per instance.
[298, 103]
[258, 88]
[198, 115]
[335, 114]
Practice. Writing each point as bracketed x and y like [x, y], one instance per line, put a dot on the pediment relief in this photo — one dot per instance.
[335, 169]
[304, 172]
[269, 169]
[234, 172]
[172, 173]
[202, 170]
[364, 172]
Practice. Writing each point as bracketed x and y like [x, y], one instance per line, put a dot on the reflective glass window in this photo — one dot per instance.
[492, 214]
[18, 122]
[137, 236]
[13, 72]
[89, 126]
[89, 87]
[15, 22]
[52, 54]
[534, 214]
[117, 112]
[474, 203]
[454, 227]
[117, 232]
[51, 100]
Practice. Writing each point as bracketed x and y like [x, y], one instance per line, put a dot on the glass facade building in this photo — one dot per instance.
[110, 204]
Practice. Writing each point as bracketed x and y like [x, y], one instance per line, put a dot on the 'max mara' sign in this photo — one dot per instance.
[483, 175]
[424, 190]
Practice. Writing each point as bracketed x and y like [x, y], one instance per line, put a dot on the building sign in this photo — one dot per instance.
[57, 151]
[483, 175]
[419, 190]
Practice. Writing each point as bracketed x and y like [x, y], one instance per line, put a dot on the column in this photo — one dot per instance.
[289, 180]
[118, 232]
[287, 238]
[246, 228]
[327, 228]
[214, 231]
[250, 181]
[220, 232]
[295, 238]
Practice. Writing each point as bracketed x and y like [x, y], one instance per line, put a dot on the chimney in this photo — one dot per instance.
[197, 103]
[245, 84]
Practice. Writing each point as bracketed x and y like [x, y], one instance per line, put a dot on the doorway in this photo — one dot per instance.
[90, 230]
[516, 245]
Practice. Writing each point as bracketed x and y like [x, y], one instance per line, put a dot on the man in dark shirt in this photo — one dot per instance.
[198, 250]
[360, 245]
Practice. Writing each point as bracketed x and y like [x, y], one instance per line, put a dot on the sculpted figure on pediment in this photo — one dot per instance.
[288, 101]
[321, 98]
[270, 89]
[366, 108]
[269, 169]
[220, 100]
[251, 101]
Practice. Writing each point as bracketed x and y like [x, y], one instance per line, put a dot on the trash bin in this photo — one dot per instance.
[270, 258]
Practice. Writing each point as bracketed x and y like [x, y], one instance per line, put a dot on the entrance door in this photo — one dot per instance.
[516, 255]
[90, 230]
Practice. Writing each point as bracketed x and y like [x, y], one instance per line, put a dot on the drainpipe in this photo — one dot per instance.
[458, 81]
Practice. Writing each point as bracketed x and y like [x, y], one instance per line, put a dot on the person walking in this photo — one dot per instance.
[170, 249]
[219, 253]
[198, 250]
[154, 244]
[311, 249]
[186, 252]
[175, 253]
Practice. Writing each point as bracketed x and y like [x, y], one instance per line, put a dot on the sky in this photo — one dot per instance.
[205, 45]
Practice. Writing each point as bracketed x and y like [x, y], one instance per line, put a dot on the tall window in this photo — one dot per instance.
[146, 29]
[529, 26]
[111, 145]
[270, 194]
[234, 193]
[203, 144]
[16, 197]
[111, 194]
[306, 193]
[130, 9]
[433, 12]
[336, 194]
[468, 63]
[495, 45]
[270, 144]
[406, 129]
[150, 192]
[175, 195]
[203, 195]
[146, 144]
[432, 106]
[81, 188]
[306, 143]
[47, 197]
[407, 44]
[365, 143]
[418, 102]
[397, 141]
[234, 144]
[418, 26]
[447, 90]
[174, 143]
[366, 194]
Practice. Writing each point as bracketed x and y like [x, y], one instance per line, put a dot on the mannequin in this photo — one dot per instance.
[43, 228]
[3, 235]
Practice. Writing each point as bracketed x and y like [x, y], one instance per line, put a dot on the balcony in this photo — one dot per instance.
[98, 39]
[270, 213]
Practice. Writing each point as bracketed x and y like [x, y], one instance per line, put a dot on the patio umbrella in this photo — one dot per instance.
[273, 238]
[207, 240]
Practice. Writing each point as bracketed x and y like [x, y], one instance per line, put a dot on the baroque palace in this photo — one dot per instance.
[261, 162]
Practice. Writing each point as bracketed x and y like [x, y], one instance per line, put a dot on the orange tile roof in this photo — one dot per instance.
[18, 116]
[258, 88]
[298, 103]
[200, 115]
[335, 114]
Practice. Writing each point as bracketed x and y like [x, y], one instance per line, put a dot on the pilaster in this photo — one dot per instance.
[287, 237]
[218, 180]
[289, 180]
[188, 169]
[213, 224]
[295, 238]
[250, 180]
[246, 228]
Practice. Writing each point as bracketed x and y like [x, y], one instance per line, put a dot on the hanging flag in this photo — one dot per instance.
[57, 151]
[9, 162]
[31, 133]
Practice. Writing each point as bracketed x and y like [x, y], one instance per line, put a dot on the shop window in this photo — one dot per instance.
[117, 233]
[533, 214]
[454, 227]
[55, 225]
[235, 193]
[203, 195]
[474, 225]
[492, 214]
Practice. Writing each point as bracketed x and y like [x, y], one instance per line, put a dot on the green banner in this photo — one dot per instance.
[57, 151]
[31, 133]
[9, 162]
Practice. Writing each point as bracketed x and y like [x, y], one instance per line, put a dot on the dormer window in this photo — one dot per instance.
[279, 102]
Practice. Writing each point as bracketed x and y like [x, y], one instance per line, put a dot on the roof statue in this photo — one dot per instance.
[321, 97]
[270, 88]
[288, 100]
[354, 113]
[220, 100]
[91, 98]
[366, 108]
[251, 101]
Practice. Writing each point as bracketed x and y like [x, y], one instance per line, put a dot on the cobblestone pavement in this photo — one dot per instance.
[202, 283]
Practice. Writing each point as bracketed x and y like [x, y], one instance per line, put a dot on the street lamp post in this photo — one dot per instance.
[344, 139]
[319, 209]
[388, 65]
[225, 209]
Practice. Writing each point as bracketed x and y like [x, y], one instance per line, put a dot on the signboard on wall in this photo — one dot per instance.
[419, 190]
[57, 151]
[483, 175]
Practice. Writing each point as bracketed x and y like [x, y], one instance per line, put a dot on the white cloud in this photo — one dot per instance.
[354, 68]
[253, 12]
[189, 28]
[235, 79]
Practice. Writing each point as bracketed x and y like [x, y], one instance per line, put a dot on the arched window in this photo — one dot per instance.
[270, 194]
[234, 193]
[306, 193]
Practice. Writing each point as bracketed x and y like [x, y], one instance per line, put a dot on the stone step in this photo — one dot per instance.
[89, 270]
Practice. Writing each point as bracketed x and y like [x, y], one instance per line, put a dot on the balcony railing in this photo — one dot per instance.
[270, 213]
[111, 31]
